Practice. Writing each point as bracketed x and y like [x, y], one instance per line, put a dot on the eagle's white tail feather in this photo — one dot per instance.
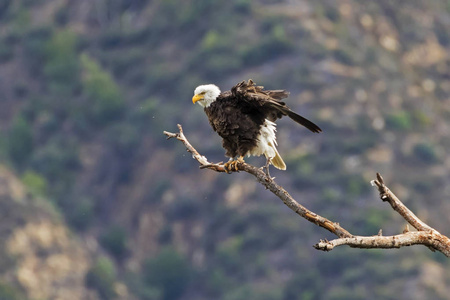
[267, 143]
[277, 161]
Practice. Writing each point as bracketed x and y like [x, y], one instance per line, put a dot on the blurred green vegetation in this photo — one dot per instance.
[9, 292]
[169, 272]
[20, 141]
[35, 183]
[114, 240]
[103, 96]
[101, 278]
[87, 93]
[425, 152]
[62, 66]
[399, 121]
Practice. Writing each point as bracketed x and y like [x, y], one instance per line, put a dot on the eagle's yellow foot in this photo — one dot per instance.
[232, 166]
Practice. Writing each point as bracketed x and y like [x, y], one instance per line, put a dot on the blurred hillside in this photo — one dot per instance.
[96, 204]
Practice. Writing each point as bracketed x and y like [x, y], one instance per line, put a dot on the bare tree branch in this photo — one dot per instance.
[425, 235]
[383, 242]
[398, 206]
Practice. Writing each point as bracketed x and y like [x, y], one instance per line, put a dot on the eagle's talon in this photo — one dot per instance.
[229, 166]
[239, 160]
[233, 165]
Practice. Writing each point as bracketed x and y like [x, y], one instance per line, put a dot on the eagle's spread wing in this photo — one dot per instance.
[269, 103]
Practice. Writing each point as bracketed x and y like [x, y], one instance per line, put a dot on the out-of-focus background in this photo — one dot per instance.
[96, 204]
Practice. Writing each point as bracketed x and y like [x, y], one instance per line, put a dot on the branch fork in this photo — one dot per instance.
[425, 235]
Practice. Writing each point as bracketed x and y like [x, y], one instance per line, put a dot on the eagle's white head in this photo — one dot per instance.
[206, 94]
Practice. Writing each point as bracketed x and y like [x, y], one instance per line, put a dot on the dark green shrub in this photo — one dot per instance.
[80, 213]
[62, 15]
[341, 293]
[35, 183]
[275, 42]
[105, 99]
[183, 210]
[356, 186]
[56, 159]
[20, 141]
[140, 289]
[169, 271]
[240, 292]
[425, 152]
[229, 253]
[421, 119]
[4, 7]
[242, 6]
[305, 285]
[114, 240]
[62, 65]
[6, 51]
[399, 121]
[101, 278]
[344, 56]
[249, 292]
[35, 49]
[159, 187]
[165, 235]
[8, 292]
[217, 282]
[374, 220]
[423, 186]
[332, 13]
[124, 138]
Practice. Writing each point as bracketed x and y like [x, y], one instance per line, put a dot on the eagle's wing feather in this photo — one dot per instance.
[269, 102]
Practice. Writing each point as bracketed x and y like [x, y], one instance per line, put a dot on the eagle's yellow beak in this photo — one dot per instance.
[197, 98]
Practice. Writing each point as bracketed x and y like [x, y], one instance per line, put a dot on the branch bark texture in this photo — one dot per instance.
[425, 235]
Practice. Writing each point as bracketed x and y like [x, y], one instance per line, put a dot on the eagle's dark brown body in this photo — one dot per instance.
[238, 115]
[238, 129]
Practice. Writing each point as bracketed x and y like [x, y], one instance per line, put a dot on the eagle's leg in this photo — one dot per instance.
[267, 167]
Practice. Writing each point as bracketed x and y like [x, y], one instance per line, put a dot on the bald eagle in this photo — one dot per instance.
[245, 119]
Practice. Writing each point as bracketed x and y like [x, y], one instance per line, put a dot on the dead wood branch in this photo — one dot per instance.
[425, 235]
